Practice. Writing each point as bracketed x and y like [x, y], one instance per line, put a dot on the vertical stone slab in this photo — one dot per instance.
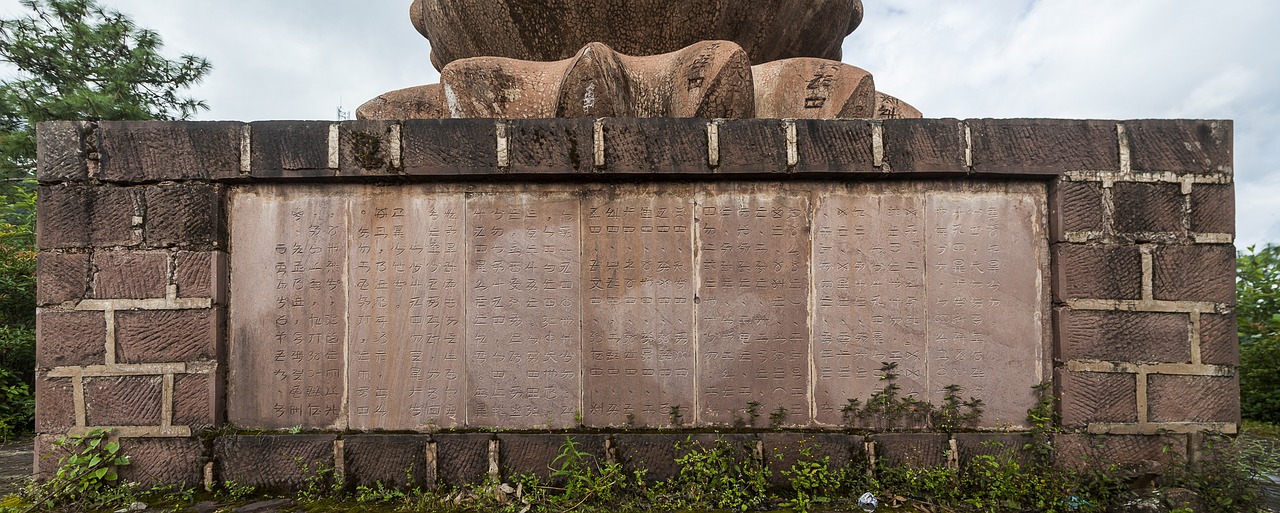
[869, 259]
[523, 310]
[407, 342]
[753, 303]
[985, 286]
[637, 271]
[289, 318]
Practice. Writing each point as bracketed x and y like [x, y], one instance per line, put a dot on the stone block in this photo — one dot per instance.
[1139, 337]
[130, 274]
[70, 338]
[657, 145]
[77, 216]
[1002, 446]
[536, 453]
[450, 146]
[657, 452]
[1219, 339]
[1194, 273]
[1195, 146]
[198, 400]
[924, 145]
[1079, 451]
[1043, 146]
[783, 450]
[1213, 208]
[281, 463]
[186, 215]
[834, 146]
[290, 149]
[551, 146]
[201, 274]
[1089, 397]
[55, 404]
[123, 401]
[1148, 207]
[157, 336]
[62, 151]
[397, 460]
[1075, 207]
[752, 146]
[47, 454]
[367, 148]
[463, 458]
[61, 277]
[1193, 398]
[911, 450]
[1096, 272]
[163, 461]
[148, 151]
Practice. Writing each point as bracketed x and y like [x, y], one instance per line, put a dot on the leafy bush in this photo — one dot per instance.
[17, 310]
[1258, 322]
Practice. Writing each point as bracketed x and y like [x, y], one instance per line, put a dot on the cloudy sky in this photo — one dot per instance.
[1107, 59]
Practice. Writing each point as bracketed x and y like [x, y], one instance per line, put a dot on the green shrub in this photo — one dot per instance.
[1258, 322]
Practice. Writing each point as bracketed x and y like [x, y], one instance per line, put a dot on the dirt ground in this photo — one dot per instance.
[15, 465]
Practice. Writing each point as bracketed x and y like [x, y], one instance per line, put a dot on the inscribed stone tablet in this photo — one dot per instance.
[288, 249]
[637, 270]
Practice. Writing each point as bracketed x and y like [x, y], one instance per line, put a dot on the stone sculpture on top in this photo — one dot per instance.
[639, 58]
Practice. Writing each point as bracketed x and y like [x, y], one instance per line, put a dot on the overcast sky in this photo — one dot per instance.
[1107, 59]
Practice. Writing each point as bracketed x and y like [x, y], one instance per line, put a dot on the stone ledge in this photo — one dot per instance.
[1161, 428]
[1182, 369]
[1138, 305]
[139, 369]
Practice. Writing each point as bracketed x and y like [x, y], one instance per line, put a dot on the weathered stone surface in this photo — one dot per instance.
[753, 146]
[1194, 273]
[924, 145]
[783, 450]
[47, 455]
[70, 338]
[398, 461]
[834, 146]
[911, 450]
[890, 107]
[809, 88]
[552, 31]
[1219, 340]
[1043, 146]
[463, 458]
[1213, 209]
[657, 453]
[1079, 451]
[76, 216]
[997, 445]
[290, 149]
[524, 454]
[201, 274]
[198, 400]
[449, 147]
[1147, 207]
[163, 461]
[123, 401]
[1198, 146]
[1138, 337]
[186, 214]
[153, 336]
[368, 147]
[61, 277]
[275, 462]
[1096, 272]
[418, 102]
[130, 274]
[1075, 207]
[1087, 397]
[62, 151]
[142, 151]
[1193, 398]
[553, 146]
[655, 146]
[55, 405]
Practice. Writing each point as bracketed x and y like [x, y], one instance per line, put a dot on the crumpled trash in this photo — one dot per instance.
[868, 502]
[132, 507]
[1075, 503]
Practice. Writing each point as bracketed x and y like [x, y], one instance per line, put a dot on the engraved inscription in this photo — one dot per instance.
[637, 271]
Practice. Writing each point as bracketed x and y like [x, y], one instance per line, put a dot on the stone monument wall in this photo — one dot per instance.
[383, 286]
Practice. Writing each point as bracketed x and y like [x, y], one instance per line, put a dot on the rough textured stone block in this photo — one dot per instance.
[1219, 339]
[61, 277]
[394, 460]
[450, 147]
[185, 214]
[536, 453]
[163, 461]
[47, 455]
[463, 458]
[924, 145]
[290, 149]
[752, 146]
[122, 401]
[275, 462]
[1123, 336]
[1194, 273]
[1198, 146]
[1148, 207]
[141, 151]
[197, 400]
[551, 145]
[1075, 207]
[70, 338]
[1097, 272]
[61, 150]
[912, 450]
[1079, 451]
[130, 274]
[998, 445]
[74, 216]
[201, 274]
[657, 453]
[834, 146]
[1193, 398]
[154, 336]
[55, 405]
[660, 145]
[367, 148]
[1048, 146]
[1213, 208]
[1087, 397]
[783, 450]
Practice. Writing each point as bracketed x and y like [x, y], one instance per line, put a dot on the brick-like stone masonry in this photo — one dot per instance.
[132, 267]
